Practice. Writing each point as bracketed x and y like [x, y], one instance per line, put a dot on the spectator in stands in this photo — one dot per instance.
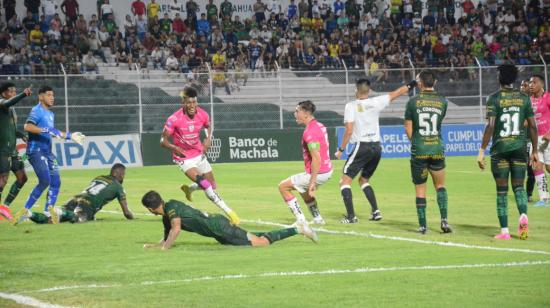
[89, 64]
[138, 8]
[259, 11]
[203, 26]
[211, 10]
[153, 9]
[157, 56]
[220, 80]
[33, 6]
[172, 63]
[192, 8]
[71, 10]
[106, 10]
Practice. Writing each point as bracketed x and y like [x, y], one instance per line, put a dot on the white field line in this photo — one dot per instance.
[386, 237]
[28, 301]
[304, 273]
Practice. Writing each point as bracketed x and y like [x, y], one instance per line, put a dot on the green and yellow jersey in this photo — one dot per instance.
[426, 111]
[510, 108]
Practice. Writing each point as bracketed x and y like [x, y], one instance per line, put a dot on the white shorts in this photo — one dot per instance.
[300, 181]
[543, 152]
[199, 162]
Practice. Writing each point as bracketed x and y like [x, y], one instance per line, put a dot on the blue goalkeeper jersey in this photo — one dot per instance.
[42, 118]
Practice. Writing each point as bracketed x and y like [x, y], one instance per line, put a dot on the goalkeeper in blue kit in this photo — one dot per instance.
[40, 127]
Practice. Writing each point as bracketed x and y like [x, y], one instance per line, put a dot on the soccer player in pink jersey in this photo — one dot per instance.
[318, 167]
[540, 100]
[188, 152]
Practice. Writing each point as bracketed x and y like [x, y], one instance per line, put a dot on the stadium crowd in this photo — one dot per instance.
[308, 35]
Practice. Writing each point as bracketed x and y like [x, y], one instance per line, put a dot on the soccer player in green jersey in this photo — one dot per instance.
[9, 160]
[83, 207]
[177, 216]
[423, 116]
[507, 110]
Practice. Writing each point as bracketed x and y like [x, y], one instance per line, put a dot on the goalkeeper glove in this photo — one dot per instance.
[76, 137]
[52, 131]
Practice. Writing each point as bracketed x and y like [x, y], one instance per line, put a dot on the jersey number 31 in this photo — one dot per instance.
[511, 125]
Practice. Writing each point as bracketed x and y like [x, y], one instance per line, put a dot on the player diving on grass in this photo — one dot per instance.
[41, 129]
[318, 167]
[507, 110]
[184, 127]
[177, 216]
[423, 116]
[9, 159]
[83, 207]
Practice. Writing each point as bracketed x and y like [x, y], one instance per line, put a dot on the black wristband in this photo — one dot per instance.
[411, 84]
[341, 149]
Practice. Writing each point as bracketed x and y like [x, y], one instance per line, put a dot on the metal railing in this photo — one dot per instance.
[140, 100]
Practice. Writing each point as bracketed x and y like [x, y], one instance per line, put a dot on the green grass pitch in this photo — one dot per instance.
[103, 264]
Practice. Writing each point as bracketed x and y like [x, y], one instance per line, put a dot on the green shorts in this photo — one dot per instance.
[512, 162]
[228, 234]
[421, 166]
[10, 162]
[82, 208]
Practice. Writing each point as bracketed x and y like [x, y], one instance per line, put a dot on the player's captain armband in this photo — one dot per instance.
[314, 145]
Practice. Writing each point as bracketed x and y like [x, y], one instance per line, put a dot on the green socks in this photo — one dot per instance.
[14, 191]
[502, 209]
[39, 218]
[277, 235]
[442, 201]
[421, 211]
[521, 199]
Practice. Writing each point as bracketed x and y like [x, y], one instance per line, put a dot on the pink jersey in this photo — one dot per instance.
[541, 108]
[186, 132]
[315, 135]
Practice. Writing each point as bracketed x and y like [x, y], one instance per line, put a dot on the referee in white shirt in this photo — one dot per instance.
[361, 120]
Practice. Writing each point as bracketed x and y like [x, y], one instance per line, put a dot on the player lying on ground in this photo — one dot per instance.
[318, 167]
[507, 110]
[177, 216]
[9, 159]
[423, 116]
[188, 152]
[83, 207]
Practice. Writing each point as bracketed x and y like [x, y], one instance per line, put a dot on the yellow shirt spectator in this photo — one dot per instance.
[305, 22]
[35, 36]
[218, 76]
[316, 23]
[153, 9]
[333, 50]
[218, 59]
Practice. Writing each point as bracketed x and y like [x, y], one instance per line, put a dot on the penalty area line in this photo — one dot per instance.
[303, 273]
[385, 237]
[28, 301]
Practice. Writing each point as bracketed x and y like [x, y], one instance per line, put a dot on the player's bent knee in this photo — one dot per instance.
[202, 182]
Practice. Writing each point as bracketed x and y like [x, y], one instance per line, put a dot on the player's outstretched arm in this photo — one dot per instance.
[175, 229]
[487, 133]
[208, 141]
[402, 90]
[16, 99]
[127, 213]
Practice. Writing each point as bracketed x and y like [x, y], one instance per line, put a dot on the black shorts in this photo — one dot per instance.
[421, 166]
[364, 158]
[512, 163]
